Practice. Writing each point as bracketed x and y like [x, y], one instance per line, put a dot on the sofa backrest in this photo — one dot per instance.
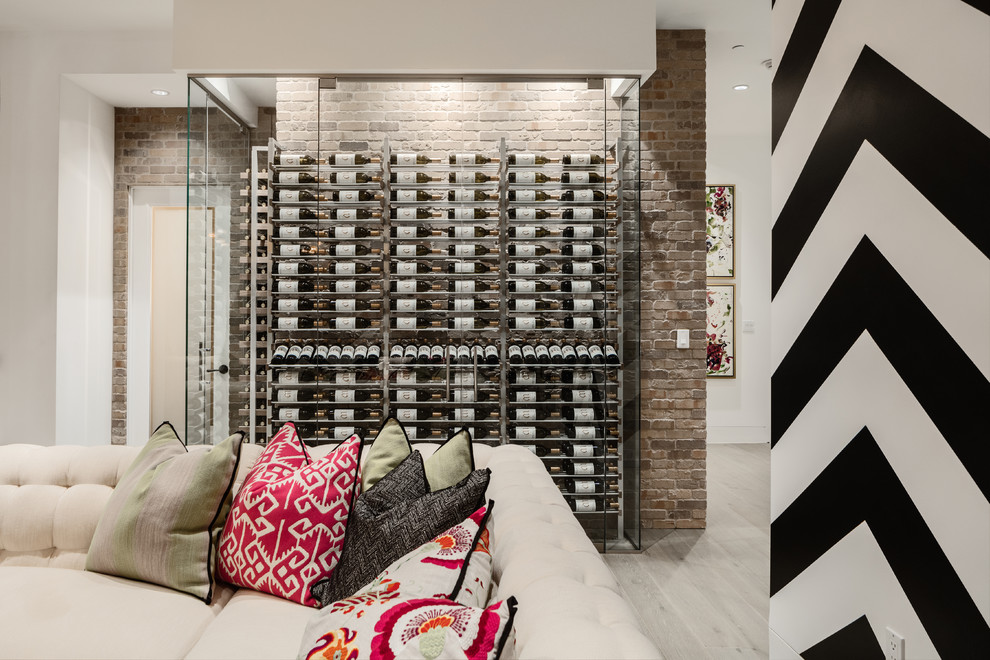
[51, 498]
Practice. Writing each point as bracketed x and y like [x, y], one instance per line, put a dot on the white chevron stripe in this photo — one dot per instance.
[933, 257]
[864, 390]
[783, 18]
[852, 579]
[947, 39]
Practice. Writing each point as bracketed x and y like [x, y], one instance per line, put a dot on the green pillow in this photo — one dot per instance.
[163, 520]
[452, 461]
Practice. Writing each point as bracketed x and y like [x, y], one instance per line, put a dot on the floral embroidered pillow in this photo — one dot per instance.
[476, 581]
[286, 528]
[411, 628]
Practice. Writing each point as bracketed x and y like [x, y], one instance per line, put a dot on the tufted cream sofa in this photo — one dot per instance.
[51, 499]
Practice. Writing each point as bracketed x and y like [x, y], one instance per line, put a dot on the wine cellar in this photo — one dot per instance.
[485, 283]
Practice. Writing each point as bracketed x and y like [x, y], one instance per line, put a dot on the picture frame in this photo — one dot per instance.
[720, 331]
[720, 212]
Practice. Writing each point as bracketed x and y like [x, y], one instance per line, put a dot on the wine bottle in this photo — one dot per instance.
[320, 355]
[406, 159]
[528, 268]
[579, 286]
[302, 305]
[410, 286]
[569, 353]
[467, 267]
[491, 354]
[579, 414]
[526, 432]
[297, 250]
[351, 214]
[374, 354]
[296, 268]
[300, 323]
[306, 354]
[591, 504]
[410, 268]
[350, 268]
[522, 376]
[556, 354]
[581, 304]
[469, 177]
[542, 354]
[409, 178]
[333, 354]
[582, 250]
[529, 177]
[297, 396]
[462, 354]
[583, 356]
[467, 250]
[579, 395]
[349, 232]
[351, 286]
[409, 250]
[415, 323]
[412, 396]
[294, 160]
[527, 396]
[471, 286]
[596, 353]
[352, 415]
[529, 233]
[528, 305]
[395, 353]
[528, 214]
[527, 160]
[351, 323]
[582, 159]
[582, 323]
[297, 178]
[351, 178]
[410, 354]
[581, 177]
[542, 450]
[528, 354]
[279, 354]
[528, 323]
[409, 231]
[410, 213]
[467, 323]
[573, 486]
[466, 195]
[468, 159]
[300, 286]
[470, 305]
[347, 160]
[582, 268]
[360, 354]
[568, 466]
[528, 250]
[296, 377]
[407, 305]
[527, 286]
[515, 354]
[297, 196]
[411, 196]
[469, 214]
[582, 196]
[299, 213]
[583, 232]
[437, 354]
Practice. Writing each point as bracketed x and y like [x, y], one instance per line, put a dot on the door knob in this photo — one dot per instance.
[222, 369]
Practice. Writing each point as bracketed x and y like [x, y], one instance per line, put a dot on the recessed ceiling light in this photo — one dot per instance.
[740, 88]
[160, 92]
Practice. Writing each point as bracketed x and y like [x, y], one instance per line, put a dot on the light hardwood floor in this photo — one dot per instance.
[704, 594]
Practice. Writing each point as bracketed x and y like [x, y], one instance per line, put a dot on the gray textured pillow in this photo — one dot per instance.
[396, 515]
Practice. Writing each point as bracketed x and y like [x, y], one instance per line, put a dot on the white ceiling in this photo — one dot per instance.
[727, 23]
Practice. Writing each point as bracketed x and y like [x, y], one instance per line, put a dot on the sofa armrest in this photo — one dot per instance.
[570, 605]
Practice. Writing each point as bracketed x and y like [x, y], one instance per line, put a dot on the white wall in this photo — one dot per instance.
[84, 304]
[31, 65]
[739, 408]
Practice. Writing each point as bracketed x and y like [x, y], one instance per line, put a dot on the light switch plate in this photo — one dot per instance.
[749, 326]
[683, 338]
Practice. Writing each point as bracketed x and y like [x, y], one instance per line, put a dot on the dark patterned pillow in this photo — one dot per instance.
[396, 515]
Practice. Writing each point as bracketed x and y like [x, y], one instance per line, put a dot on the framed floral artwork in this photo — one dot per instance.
[720, 331]
[720, 203]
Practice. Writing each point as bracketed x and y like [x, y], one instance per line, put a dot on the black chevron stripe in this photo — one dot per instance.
[799, 56]
[859, 485]
[869, 295]
[883, 106]
[854, 642]
[981, 5]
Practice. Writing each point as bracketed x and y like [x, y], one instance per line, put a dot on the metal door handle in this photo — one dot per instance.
[222, 369]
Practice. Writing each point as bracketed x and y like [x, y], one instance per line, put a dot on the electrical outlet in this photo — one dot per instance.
[895, 645]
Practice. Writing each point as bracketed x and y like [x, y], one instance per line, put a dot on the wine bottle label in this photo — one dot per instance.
[346, 305]
[464, 250]
[491, 351]
[581, 250]
[525, 377]
[295, 352]
[462, 177]
[405, 250]
[463, 379]
[584, 468]
[542, 352]
[344, 160]
[525, 232]
[345, 268]
[288, 414]
[346, 250]
[526, 433]
[584, 232]
[595, 351]
[583, 396]
[582, 268]
[405, 177]
[525, 177]
[584, 505]
[464, 414]
[408, 213]
[405, 305]
[464, 286]
[584, 195]
[584, 414]
[525, 305]
[526, 414]
[526, 396]
[288, 323]
[580, 159]
[288, 232]
[344, 396]
[348, 196]
[287, 396]
[556, 354]
[525, 250]
[405, 414]
[584, 305]
[463, 266]
[525, 214]
[405, 323]
[289, 214]
[525, 196]
[405, 377]
[405, 268]
[464, 232]
[341, 433]
[462, 195]
[581, 286]
[583, 451]
[374, 353]
[582, 214]
[412, 432]
[290, 178]
[580, 177]
[463, 396]
[405, 159]
[306, 353]
[346, 286]
[436, 352]
[335, 351]
[346, 323]
[526, 267]
[464, 323]
[322, 352]
[346, 178]
[288, 305]
[343, 415]
[343, 232]
[526, 160]
[405, 232]
[290, 268]
[406, 196]
[582, 378]
[405, 286]
[584, 486]
[464, 305]
[288, 378]
[525, 286]
[464, 159]
[345, 378]
[289, 250]
[525, 323]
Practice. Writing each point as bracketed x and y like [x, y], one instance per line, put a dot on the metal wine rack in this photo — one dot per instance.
[501, 264]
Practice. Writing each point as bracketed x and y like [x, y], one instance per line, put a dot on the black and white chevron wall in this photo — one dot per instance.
[880, 461]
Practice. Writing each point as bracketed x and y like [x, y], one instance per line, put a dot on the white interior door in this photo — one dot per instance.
[168, 320]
